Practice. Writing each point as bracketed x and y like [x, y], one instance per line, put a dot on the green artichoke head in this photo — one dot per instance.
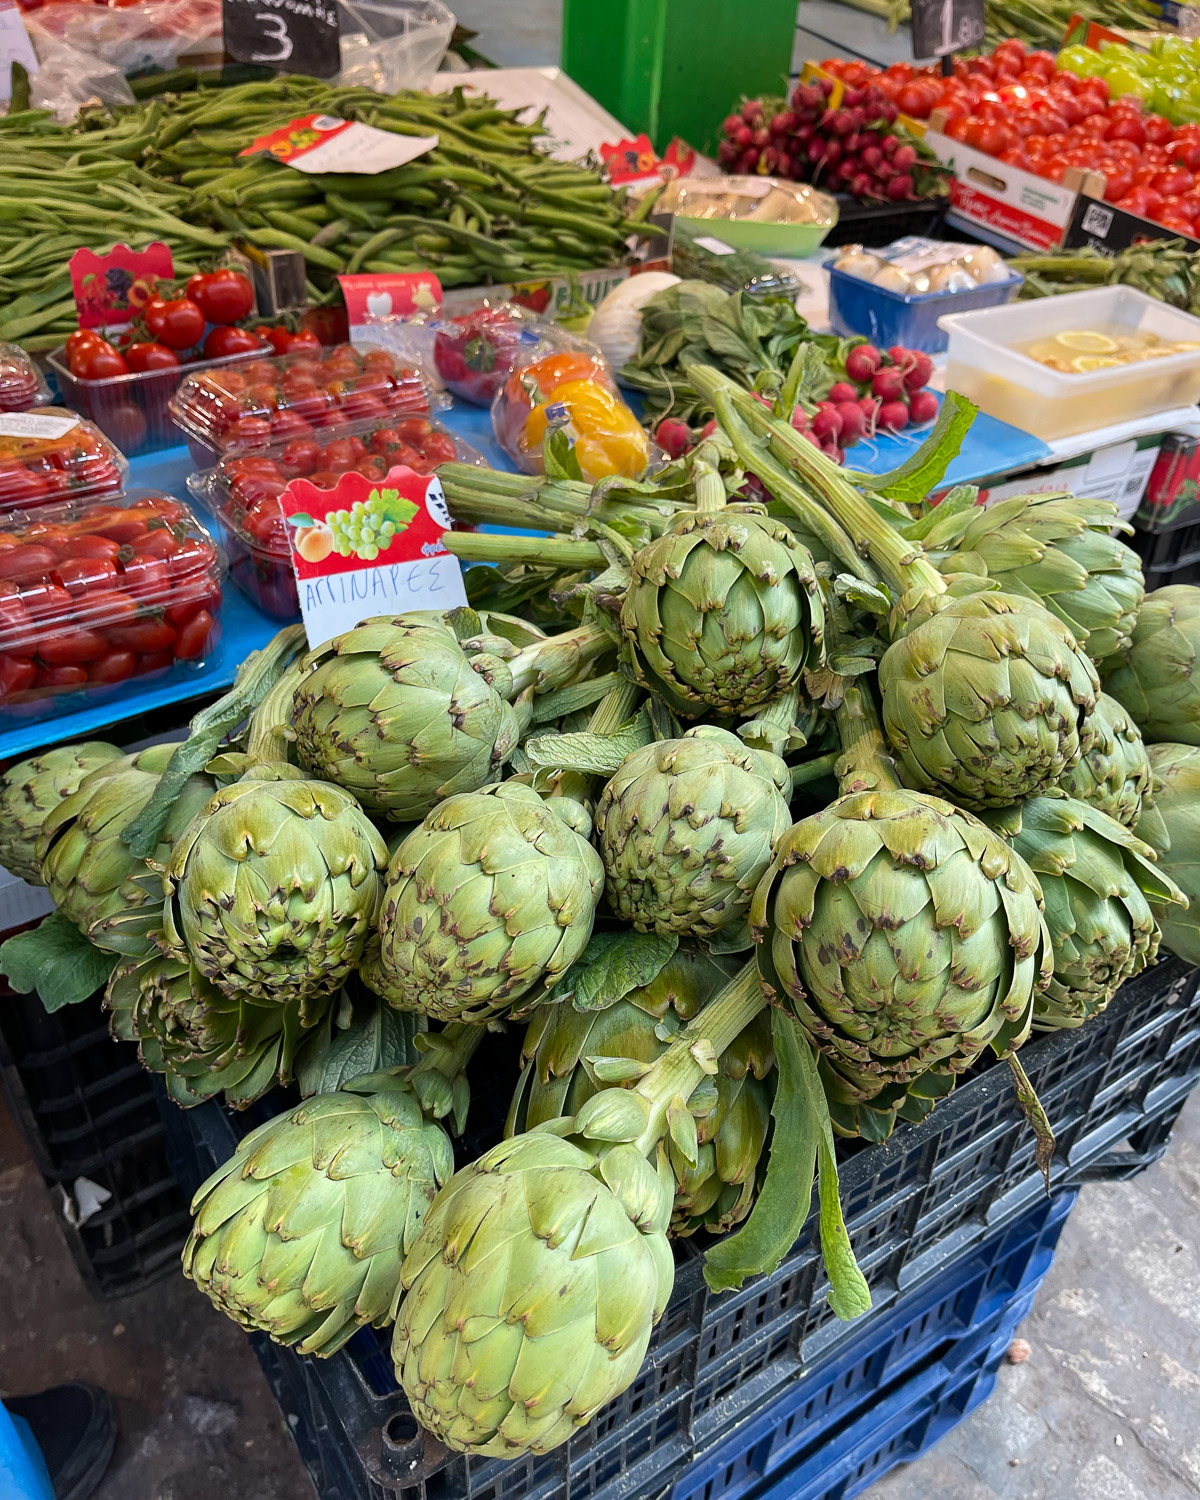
[88, 869]
[31, 789]
[906, 937]
[687, 827]
[987, 699]
[273, 889]
[201, 1040]
[302, 1233]
[1097, 882]
[396, 712]
[488, 903]
[530, 1293]
[723, 612]
[1155, 676]
[571, 1055]
[1114, 773]
[1171, 826]
[1058, 549]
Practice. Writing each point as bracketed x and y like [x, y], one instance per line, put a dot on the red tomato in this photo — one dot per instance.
[1158, 130]
[188, 608]
[438, 448]
[158, 543]
[115, 667]
[106, 608]
[16, 675]
[254, 432]
[61, 677]
[223, 341]
[26, 562]
[1173, 181]
[80, 339]
[154, 661]
[1118, 180]
[141, 357]
[289, 424]
[126, 425]
[178, 323]
[1143, 201]
[81, 575]
[304, 342]
[223, 296]
[301, 456]
[93, 546]
[147, 577]
[143, 635]
[195, 637]
[70, 647]
[46, 601]
[96, 360]
[1126, 127]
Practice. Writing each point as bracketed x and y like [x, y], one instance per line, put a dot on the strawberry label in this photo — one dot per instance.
[369, 547]
[110, 289]
[326, 143]
[636, 161]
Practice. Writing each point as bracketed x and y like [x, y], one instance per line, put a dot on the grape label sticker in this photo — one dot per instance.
[369, 547]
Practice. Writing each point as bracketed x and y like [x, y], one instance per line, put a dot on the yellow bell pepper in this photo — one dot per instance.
[606, 437]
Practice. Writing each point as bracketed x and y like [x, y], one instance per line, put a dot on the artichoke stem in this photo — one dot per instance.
[562, 552]
[614, 708]
[865, 763]
[678, 1071]
[558, 659]
[816, 769]
[710, 488]
[454, 1048]
[269, 738]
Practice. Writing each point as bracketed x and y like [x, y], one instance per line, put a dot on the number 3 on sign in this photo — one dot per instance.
[277, 32]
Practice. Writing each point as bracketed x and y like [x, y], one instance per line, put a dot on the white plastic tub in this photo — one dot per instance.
[982, 363]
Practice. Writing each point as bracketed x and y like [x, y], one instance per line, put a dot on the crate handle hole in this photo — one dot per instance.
[401, 1429]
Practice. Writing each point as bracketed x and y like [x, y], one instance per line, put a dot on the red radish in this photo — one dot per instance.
[749, 160]
[674, 436]
[889, 145]
[893, 416]
[752, 112]
[851, 98]
[800, 419]
[733, 123]
[900, 188]
[832, 451]
[727, 153]
[826, 424]
[783, 164]
[922, 369]
[854, 422]
[708, 429]
[804, 96]
[862, 362]
[923, 407]
[842, 391]
[861, 186]
[869, 406]
[761, 137]
[803, 134]
[769, 159]
[808, 434]
[888, 384]
[846, 169]
[784, 123]
[872, 158]
[743, 136]
[905, 159]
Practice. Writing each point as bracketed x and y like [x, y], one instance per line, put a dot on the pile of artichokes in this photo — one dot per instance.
[756, 791]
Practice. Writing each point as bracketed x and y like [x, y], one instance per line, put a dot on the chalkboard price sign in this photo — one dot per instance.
[291, 36]
[940, 27]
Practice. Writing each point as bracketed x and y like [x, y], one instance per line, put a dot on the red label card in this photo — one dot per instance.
[391, 293]
[109, 289]
[634, 161]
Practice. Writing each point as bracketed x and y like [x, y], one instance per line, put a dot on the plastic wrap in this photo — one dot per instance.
[572, 391]
[21, 385]
[388, 45]
[242, 493]
[95, 593]
[294, 396]
[53, 454]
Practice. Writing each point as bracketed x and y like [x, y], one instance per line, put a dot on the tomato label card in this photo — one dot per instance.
[369, 547]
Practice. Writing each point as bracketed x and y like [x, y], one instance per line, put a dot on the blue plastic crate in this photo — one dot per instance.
[889, 1395]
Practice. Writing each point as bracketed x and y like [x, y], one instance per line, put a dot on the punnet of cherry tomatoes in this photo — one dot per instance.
[242, 491]
[857, 147]
[21, 385]
[293, 396]
[94, 593]
[56, 455]
[883, 391]
[1015, 104]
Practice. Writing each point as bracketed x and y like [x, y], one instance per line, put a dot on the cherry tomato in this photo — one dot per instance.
[439, 448]
[16, 675]
[1158, 131]
[289, 424]
[254, 432]
[139, 357]
[154, 661]
[1173, 181]
[96, 360]
[88, 545]
[194, 638]
[147, 577]
[178, 323]
[106, 608]
[82, 575]
[80, 339]
[143, 636]
[300, 456]
[61, 677]
[223, 341]
[116, 666]
[26, 562]
[304, 342]
[71, 647]
[223, 296]
[126, 424]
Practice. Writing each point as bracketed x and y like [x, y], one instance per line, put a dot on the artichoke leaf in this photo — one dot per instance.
[613, 964]
[378, 1037]
[57, 961]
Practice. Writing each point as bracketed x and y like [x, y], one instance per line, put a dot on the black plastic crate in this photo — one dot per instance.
[916, 1206]
[1169, 556]
[876, 224]
[87, 1108]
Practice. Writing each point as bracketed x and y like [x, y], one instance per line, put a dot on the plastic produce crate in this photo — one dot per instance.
[86, 1108]
[916, 1207]
[875, 224]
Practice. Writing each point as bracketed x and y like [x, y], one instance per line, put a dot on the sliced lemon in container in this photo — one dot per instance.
[1085, 341]
[1082, 364]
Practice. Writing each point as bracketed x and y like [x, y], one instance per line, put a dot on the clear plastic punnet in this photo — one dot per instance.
[242, 493]
[21, 385]
[294, 396]
[53, 454]
[98, 593]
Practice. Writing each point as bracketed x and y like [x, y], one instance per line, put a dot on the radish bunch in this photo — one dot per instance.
[882, 391]
[855, 148]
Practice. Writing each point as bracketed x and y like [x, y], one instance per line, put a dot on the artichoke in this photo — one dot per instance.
[201, 1040]
[31, 789]
[91, 874]
[564, 1048]
[723, 612]
[532, 1289]
[1171, 826]
[987, 700]
[1155, 676]
[1097, 882]
[1057, 549]
[488, 902]
[273, 888]
[686, 829]
[302, 1233]
[398, 712]
[1114, 773]
[906, 937]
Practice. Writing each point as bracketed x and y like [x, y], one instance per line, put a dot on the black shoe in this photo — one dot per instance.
[76, 1429]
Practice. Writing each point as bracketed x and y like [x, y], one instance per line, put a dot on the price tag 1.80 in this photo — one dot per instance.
[291, 36]
[940, 27]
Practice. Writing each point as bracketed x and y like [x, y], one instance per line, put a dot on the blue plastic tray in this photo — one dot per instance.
[885, 317]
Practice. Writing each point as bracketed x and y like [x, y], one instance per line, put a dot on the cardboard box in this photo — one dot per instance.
[1105, 227]
[1019, 205]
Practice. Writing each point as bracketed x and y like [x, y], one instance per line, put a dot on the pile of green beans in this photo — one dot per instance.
[485, 206]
